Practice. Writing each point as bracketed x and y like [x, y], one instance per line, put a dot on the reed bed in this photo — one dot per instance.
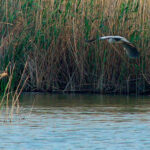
[51, 35]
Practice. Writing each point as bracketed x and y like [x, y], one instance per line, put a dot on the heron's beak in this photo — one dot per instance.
[89, 41]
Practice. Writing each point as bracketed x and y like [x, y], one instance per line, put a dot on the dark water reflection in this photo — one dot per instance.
[66, 122]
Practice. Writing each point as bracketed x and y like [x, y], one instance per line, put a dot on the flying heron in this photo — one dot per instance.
[130, 49]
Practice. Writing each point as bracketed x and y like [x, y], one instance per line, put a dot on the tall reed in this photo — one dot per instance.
[51, 34]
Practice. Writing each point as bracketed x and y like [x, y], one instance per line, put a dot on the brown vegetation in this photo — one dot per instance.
[51, 36]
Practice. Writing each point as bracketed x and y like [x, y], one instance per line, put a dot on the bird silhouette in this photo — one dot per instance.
[130, 49]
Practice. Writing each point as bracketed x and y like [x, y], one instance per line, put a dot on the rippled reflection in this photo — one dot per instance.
[78, 122]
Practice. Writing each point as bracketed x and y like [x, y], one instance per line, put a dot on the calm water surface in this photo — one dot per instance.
[72, 122]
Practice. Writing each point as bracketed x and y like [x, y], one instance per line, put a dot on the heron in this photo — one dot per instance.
[130, 49]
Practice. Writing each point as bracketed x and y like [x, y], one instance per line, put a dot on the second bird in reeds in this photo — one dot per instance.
[130, 49]
[3, 74]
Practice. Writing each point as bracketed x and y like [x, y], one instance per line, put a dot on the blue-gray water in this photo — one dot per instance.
[72, 122]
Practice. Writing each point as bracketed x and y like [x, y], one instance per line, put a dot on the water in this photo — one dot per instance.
[72, 122]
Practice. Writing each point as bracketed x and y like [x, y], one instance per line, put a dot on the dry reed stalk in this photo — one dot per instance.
[18, 91]
[18, 27]
[7, 92]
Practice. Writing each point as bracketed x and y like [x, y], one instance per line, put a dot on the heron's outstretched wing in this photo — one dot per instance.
[131, 50]
[115, 38]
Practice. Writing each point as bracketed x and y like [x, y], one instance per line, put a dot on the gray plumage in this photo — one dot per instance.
[131, 50]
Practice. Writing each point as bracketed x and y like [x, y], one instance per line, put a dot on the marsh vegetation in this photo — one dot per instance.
[44, 41]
